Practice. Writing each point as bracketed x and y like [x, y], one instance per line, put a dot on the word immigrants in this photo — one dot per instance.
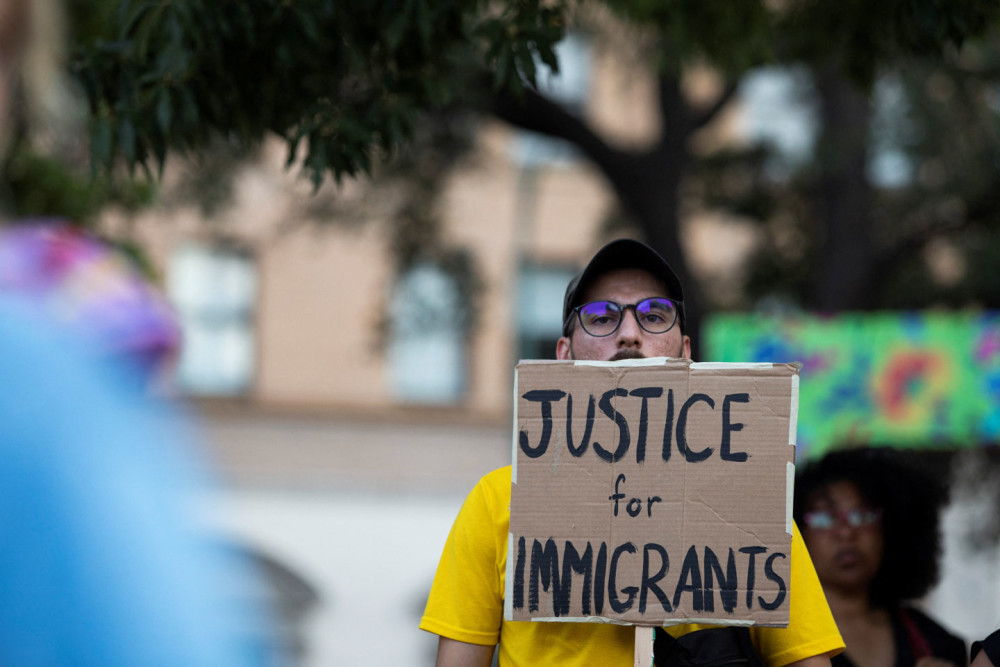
[590, 577]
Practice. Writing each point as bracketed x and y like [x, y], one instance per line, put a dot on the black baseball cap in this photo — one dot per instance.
[622, 254]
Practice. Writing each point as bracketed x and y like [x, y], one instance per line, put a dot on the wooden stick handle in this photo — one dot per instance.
[643, 646]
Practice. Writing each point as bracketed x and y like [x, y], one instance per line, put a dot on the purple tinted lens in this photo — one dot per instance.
[600, 316]
[598, 308]
[656, 315]
[655, 307]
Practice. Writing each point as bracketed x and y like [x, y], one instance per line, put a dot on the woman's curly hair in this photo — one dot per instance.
[911, 500]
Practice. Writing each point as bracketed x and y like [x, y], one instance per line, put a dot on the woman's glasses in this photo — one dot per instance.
[856, 518]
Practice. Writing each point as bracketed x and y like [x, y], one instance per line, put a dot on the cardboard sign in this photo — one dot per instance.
[651, 492]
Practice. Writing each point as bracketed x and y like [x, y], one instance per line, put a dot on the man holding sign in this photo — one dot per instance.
[626, 304]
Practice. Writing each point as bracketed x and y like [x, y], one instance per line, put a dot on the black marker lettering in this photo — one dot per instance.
[773, 576]
[623, 437]
[690, 580]
[646, 393]
[519, 575]
[634, 507]
[599, 570]
[668, 426]
[649, 583]
[682, 446]
[616, 604]
[728, 428]
[752, 552]
[574, 562]
[546, 397]
[578, 451]
[728, 582]
[617, 495]
[544, 566]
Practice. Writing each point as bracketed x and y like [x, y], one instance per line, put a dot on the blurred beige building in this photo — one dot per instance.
[286, 313]
[290, 314]
[338, 395]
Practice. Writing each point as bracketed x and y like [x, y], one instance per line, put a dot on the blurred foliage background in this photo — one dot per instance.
[392, 89]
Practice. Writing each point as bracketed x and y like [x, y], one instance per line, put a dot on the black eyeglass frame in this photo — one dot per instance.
[678, 316]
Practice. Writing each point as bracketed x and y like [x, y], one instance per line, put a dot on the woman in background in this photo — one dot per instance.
[871, 523]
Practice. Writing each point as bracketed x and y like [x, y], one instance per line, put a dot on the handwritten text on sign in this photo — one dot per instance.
[650, 493]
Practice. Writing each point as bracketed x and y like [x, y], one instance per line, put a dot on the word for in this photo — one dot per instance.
[634, 506]
[597, 574]
[547, 397]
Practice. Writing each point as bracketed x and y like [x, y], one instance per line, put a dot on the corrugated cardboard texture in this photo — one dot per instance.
[651, 494]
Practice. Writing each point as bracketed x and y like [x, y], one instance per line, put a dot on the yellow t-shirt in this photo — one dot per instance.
[466, 601]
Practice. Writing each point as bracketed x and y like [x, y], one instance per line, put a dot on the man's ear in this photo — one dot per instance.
[564, 350]
[686, 347]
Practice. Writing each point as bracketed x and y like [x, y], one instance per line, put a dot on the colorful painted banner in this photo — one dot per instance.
[928, 380]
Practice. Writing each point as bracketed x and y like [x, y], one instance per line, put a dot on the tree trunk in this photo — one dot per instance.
[647, 183]
[847, 255]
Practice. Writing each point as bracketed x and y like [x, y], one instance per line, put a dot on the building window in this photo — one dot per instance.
[779, 111]
[570, 88]
[889, 164]
[427, 341]
[214, 289]
[540, 296]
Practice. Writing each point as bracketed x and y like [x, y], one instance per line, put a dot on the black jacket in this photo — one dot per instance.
[942, 643]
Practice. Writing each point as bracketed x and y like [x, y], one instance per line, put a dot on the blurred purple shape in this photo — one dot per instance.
[91, 289]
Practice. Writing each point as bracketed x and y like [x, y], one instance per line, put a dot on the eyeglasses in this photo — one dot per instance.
[856, 518]
[655, 315]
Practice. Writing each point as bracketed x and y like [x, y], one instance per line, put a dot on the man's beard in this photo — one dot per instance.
[627, 353]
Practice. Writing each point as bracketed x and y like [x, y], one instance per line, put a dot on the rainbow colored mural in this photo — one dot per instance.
[927, 380]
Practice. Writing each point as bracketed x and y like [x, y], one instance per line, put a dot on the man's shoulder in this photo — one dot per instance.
[496, 484]
[489, 500]
[498, 476]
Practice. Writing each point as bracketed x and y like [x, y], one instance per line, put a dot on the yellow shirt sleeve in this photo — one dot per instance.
[466, 598]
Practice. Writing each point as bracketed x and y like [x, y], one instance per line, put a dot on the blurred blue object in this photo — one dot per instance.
[103, 561]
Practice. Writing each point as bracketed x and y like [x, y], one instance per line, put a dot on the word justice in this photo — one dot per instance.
[675, 426]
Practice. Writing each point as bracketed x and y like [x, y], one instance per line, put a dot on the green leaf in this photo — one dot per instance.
[126, 141]
[526, 66]
[505, 63]
[159, 147]
[100, 144]
[398, 26]
[145, 29]
[133, 13]
[163, 111]
[425, 23]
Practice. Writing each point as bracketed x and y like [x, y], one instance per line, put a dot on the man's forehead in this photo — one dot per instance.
[604, 285]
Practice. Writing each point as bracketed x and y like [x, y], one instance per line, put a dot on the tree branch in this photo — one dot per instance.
[673, 107]
[706, 115]
[887, 260]
[537, 113]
